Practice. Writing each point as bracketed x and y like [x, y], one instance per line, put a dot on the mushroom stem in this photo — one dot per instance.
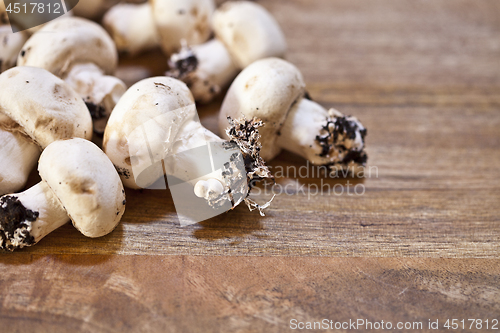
[323, 137]
[185, 165]
[19, 158]
[27, 217]
[206, 68]
[240, 171]
[154, 157]
[132, 27]
[208, 189]
[234, 180]
[99, 91]
[244, 32]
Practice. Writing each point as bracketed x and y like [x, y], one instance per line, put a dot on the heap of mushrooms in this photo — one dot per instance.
[36, 109]
[79, 183]
[273, 90]
[82, 54]
[138, 27]
[151, 131]
[245, 32]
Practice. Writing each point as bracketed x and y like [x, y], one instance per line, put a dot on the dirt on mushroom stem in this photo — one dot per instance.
[334, 133]
[244, 134]
[182, 63]
[15, 224]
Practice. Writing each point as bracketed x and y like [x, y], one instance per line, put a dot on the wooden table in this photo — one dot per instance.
[420, 243]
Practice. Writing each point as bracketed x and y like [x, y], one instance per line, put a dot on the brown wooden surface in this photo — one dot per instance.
[424, 78]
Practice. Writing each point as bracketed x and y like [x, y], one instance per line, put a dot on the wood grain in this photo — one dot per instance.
[98, 293]
[424, 78]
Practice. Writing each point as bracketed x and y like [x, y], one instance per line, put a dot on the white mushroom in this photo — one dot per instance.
[50, 18]
[245, 32]
[79, 183]
[154, 130]
[163, 23]
[273, 90]
[81, 53]
[205, 68]
[36, 108]
[132, 27]
[11, 43]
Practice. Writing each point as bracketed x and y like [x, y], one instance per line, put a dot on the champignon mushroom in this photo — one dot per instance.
[273, 90]
[154, 131]
[245, 32]
[164, 23]
[36, 108]
[79, 183]
[11, 43]
[82, 54]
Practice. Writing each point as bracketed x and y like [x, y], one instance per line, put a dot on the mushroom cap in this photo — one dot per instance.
[146, 120]
[132, 27]
[86, 183]
[42, 106]
[18, 155]
[266, 89]
[177, 20]
[67, 41]
[11, 44]
[249, 32]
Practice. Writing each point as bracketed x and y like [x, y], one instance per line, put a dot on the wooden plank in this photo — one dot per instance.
[95, 293]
